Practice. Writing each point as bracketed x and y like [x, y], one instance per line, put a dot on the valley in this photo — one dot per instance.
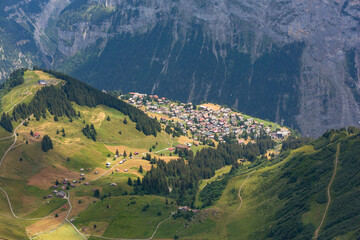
[293, 63]
[114, 171]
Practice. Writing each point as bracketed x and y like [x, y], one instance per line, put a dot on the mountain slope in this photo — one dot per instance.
[285, 198]
[290, 62]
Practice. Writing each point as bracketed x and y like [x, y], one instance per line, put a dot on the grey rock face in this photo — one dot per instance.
[328, 94]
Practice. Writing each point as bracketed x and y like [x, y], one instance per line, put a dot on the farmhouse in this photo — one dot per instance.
[36, 135]
[184, 208]
[43, 82]
[61, 194]
[182, 146]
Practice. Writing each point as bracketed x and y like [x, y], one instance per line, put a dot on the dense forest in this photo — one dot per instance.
[5, 122]
[48, 98]
[85, 95]
[179, 179]
[16, 78]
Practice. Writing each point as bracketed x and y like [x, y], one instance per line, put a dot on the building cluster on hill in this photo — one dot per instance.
[204, 122]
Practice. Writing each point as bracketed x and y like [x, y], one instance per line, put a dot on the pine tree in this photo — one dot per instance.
[46, 143]
[141, 169]
[129, 182]
[125, 121]
[125, 154]
[138, 182]
[108, 118]
[117, 152]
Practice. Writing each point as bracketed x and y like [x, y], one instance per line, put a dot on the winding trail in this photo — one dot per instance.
[68, 198]
[6, 137]
[239, 194]
[12, 145]
[12, 211]
[3, 191]
[316, 234]
[67, 220]
[19, 101]
[152, 236]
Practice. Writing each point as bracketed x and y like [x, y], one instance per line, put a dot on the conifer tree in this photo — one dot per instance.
[129, 181]
[46, 143]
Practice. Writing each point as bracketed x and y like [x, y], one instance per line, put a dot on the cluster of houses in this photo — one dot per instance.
[204, 122]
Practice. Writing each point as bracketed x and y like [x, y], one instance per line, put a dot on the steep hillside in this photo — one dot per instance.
[287, 61]
[28, 174]
[287, 197]
[73, 167]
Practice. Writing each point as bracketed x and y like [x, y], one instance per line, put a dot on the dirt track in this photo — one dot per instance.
[316, 234]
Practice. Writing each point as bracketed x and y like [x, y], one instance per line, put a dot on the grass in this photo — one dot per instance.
[46, 209]
[16, 175]
[4, 133]
[10, 228]
[66, 231]
[220, 220]
[204, 182]
[24, 92]
[125, 216]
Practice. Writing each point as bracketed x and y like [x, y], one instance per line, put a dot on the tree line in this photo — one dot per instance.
[5, 122]
[179, 179]
[16, 78]
[85, 95]
[47, 98]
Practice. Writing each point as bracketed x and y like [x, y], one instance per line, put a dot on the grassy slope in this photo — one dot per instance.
[124, 216]
[24, 92]
[220, 221]
[15, 175]
[204, 182]
[267, 194]
[66, 231]
[283, 201]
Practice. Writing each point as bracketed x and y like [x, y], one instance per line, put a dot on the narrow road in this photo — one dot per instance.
[6, 137]
[14, 135]
[3, 191]
[239, 194]
[18, 102]
[316, 234]
[66, 218]
[152, 236]
[12, 211]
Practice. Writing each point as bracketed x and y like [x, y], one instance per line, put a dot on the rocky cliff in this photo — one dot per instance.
[291, 61]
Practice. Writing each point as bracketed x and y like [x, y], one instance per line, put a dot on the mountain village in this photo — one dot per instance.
[206, 121]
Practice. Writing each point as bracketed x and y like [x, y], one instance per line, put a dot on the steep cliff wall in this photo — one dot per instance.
[295, 62]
